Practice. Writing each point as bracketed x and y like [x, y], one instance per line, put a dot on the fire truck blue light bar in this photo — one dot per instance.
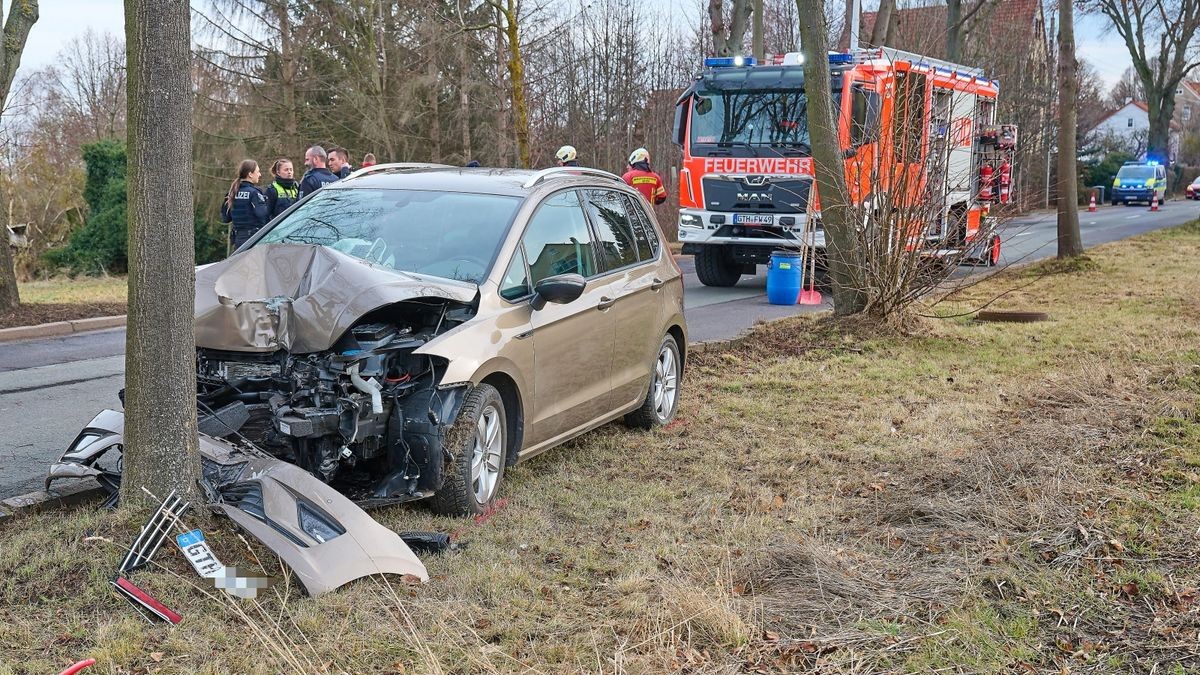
[728, 61]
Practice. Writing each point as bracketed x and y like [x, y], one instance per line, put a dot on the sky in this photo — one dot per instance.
[62, 20]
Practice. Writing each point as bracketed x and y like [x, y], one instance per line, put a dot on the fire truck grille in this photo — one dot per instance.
[772, 195]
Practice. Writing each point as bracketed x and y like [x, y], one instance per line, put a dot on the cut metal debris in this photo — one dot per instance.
[143, 548]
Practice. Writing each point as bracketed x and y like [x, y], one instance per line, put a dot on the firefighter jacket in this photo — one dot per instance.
[314, 180]
[248, 212]
[645, 181]
[280, 195]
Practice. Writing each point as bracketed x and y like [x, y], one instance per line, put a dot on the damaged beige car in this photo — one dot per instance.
[410, 332]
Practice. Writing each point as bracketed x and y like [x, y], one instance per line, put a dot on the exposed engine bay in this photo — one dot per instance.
[308, 354]
[365, 416]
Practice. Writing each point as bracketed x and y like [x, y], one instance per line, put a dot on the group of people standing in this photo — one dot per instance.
[247, 208]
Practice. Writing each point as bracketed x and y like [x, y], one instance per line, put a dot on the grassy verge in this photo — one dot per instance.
[78, 290]
[981, 498]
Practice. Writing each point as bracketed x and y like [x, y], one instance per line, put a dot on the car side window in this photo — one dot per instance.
[613, 228]
[515, 284]
[643, 231]
[557, 240]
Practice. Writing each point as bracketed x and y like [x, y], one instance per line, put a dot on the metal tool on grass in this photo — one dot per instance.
[811, 296]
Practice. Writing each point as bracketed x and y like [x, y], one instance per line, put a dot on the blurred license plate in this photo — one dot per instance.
[753, 219]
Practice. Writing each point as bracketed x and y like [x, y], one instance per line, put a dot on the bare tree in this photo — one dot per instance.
[1159, 36]
[16, 31]
[1070, 244]
[509, 11]
[848, 297]
[883, 23]
[958, 24]
[731, 42]
[1128, 88]
[160, 371]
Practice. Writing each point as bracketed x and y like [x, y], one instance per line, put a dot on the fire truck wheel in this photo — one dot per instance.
[715, 268]
[993, 252]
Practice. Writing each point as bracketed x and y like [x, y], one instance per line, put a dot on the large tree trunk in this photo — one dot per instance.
[848, 298]
[160, 372]
[516, 72]
[759, 38]
[1070, 244]
[880, 32]
[464, 97]
[16, 32]
[953, 28]
[716, 23]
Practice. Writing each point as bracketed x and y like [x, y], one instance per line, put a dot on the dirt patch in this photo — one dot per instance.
[32, 314]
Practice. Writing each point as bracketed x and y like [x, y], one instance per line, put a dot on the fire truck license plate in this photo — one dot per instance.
[753, 219]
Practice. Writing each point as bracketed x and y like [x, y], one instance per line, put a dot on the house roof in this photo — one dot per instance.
[1140, 105]
[1192, 88]
[923, 29]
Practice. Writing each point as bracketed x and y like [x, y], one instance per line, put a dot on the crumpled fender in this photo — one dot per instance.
[271, 500]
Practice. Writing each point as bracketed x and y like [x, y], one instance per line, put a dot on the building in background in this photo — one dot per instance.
[1127, 129]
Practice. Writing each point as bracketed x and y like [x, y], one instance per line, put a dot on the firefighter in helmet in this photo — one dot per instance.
[641, 178]
[566, 156]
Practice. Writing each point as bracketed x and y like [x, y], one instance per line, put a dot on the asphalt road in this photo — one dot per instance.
[50, 388]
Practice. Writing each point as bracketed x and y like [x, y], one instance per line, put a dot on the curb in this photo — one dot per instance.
[72, 494]
[58, 328]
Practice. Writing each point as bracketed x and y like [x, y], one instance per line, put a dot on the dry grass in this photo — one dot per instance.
[75, 290]
[975, 498]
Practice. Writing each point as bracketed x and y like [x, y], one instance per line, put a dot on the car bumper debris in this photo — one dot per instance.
[324, 537]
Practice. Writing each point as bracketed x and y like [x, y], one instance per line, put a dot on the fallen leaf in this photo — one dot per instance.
[156, 656]
[1129, 588]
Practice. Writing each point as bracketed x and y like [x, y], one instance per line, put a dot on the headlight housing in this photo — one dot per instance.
[690, 220]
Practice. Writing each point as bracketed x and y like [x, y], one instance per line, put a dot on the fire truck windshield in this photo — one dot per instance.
[753, 118]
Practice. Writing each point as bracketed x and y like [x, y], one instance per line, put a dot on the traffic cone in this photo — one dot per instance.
[1154, 202]
[1092, 204]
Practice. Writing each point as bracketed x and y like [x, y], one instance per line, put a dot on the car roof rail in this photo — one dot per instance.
[564, 171]
[398, 166]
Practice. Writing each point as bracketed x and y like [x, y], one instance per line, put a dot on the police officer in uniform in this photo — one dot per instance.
[245, 206]
[317, 175]
[284, 191]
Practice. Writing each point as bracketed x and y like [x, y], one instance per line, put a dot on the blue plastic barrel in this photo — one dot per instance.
[785, 275]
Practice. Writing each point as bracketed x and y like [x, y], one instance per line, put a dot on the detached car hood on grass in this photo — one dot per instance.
[299, 297]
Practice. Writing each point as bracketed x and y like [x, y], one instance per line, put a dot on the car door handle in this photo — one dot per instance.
[605, 303]
[657, 284]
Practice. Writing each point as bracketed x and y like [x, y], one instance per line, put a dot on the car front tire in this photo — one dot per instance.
[477, 444]
[662, 397]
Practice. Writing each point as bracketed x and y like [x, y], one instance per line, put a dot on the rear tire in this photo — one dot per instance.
[477, 444]
[715, 268]
[662, 396]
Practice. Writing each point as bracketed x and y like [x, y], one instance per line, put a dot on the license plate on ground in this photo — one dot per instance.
[196, 550]
[753, 219]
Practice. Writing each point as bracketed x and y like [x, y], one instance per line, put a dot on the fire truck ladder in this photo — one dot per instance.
[892, 55]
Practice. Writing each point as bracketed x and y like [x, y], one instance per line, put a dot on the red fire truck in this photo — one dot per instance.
[746, 181]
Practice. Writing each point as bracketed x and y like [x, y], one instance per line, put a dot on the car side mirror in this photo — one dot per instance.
[560, 290]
